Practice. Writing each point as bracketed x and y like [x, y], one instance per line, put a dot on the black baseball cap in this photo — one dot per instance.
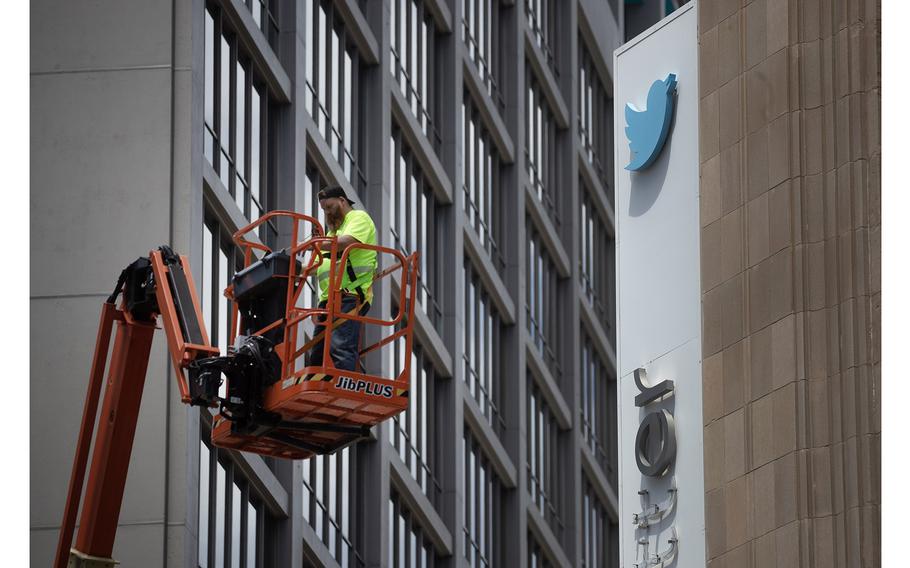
[333, 191]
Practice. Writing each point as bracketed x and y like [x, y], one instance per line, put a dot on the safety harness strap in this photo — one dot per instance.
[353, 278]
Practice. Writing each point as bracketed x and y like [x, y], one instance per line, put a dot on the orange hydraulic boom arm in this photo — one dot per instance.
[161, 284]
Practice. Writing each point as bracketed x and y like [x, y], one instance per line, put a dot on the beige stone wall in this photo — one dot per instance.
[791, 255]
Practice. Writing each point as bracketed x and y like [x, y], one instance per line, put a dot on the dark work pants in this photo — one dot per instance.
[345, 342]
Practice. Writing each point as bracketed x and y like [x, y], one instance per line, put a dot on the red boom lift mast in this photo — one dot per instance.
[276, 404]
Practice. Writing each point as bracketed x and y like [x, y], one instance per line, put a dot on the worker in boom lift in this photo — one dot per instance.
[350, 226]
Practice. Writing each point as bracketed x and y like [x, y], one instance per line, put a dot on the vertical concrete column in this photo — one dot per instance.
[515, 520]
[186, 211]
[375, 124]
[450, 392]
[290, 174]
[570, 461]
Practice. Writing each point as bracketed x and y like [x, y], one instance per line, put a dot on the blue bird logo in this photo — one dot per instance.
[647, 129]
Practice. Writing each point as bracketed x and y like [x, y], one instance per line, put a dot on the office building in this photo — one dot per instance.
[478, 132]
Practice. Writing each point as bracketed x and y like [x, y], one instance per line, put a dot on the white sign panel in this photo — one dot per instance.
[661, 501]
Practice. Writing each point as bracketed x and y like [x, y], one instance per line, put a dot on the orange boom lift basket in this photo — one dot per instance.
[314, 409]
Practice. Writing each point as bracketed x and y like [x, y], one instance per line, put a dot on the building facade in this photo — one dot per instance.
[478, 132]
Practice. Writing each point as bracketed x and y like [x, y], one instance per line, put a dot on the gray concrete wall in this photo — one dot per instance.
[104, 85]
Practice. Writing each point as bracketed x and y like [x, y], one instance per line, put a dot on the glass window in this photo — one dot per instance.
[600, 535]
[540, 147]
[410, 546]
[236, 508]
[536, 556]
[543, 459]
[595, 119]
[203, 542]
[265, 15]
[414, 430]
[230, 524]
[236, 139]
[414, 222]
[224, 56]
[321, 62]
[256, 201]
[252, 535]
[413, 50]
[482, 491]
[348, 111]
[312, 183]
[482, 340]
[332, 70]
[209, 119]
[310, 46]
[480, 22]
[542, 21]
[328, 487]
[335, 100]
[220, 262]
[240, 187]
[220, 512]
[543, 300]
[598, 409]
[482, 189]
[598, 256]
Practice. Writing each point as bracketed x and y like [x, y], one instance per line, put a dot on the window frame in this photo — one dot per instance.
[482, 372]
[595, 118]
[542, 459]
[253, 175]
[423, 459]
[484, 52]
[414, 69]
[340, 128]
[214, 297]
[482, 507]
[542, 21]
[597, 260]
[543, 300]
[414, 202]
[600, 534]
[339, 536]
[537, 556]
[541, 147]
[214, 459]
[482, 161]
[419, 551]
[268, 25]
[599, 413]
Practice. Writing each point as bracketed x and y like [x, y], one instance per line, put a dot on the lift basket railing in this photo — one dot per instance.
[303, 258]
